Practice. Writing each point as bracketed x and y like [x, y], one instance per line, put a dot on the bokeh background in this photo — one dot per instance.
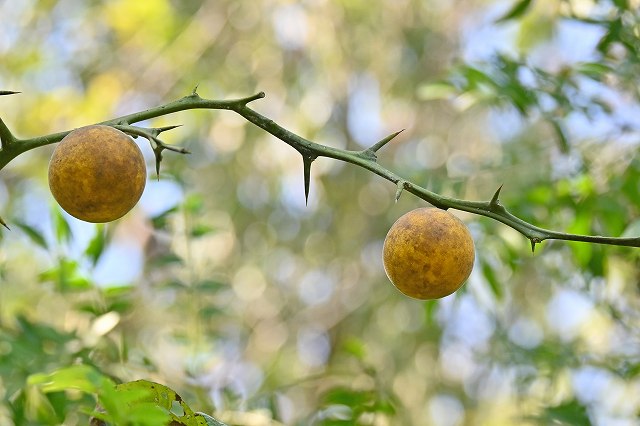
[255, 307]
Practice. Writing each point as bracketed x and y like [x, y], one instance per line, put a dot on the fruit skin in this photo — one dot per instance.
[428, 253]
[97, 173]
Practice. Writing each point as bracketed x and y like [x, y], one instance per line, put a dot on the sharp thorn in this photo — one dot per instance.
[385, 141]
[533, 246]
[166, 128]
[495, 199]
[158, 154]
[8, 92]
[306, 163]
[2, 222]
[399, 190]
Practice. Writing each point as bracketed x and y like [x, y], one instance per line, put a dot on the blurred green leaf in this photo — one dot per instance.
[211, 286]
[355, 347]
[563, 143]
[594, 70]
[35, 235]
[66, 275]
[97, 244]
[61, 226]
[167, 259]
[193, 203]
[570, 413]
[622, 4]
[81, 377]
[160, 221]
[494, 283]
[518, 9]
[201, 229]
[436, 91]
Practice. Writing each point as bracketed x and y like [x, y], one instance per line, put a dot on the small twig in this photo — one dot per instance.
[152, 136]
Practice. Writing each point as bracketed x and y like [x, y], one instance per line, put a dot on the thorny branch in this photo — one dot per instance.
[11, 147]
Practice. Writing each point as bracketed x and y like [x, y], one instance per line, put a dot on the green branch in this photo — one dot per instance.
[309, 150]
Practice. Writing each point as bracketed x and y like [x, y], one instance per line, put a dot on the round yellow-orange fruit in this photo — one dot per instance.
[428, 253]
[97, 173]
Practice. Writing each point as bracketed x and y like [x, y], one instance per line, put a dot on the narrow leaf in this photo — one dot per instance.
[61, 226]
[516, 11]
[560, 133]
[97, 244]
[33, 234]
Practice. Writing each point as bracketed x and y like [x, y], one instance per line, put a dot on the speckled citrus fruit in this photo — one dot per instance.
[97, 173]
[428, 253]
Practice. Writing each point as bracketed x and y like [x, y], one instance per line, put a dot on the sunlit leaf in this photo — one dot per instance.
[355, 347]
[66, 275]
[82, 377]
[210, 421]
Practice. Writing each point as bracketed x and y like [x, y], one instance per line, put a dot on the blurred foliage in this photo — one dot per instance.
[260, 310]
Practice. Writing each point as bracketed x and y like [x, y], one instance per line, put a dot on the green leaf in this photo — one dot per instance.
[61, 226]
[560, 133]
[66, 276]
[81, 377]
[355, 347]
[210, 421]
[211, 286]
[33, 234]
[494, 283]
[97, 244]
[160, 221]
[193, 203]
[570, 413]
[201, 229]
[436, 91]
[622, 4]
[517, 10]
[158, 395]
[167, 259]
[595, 70]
